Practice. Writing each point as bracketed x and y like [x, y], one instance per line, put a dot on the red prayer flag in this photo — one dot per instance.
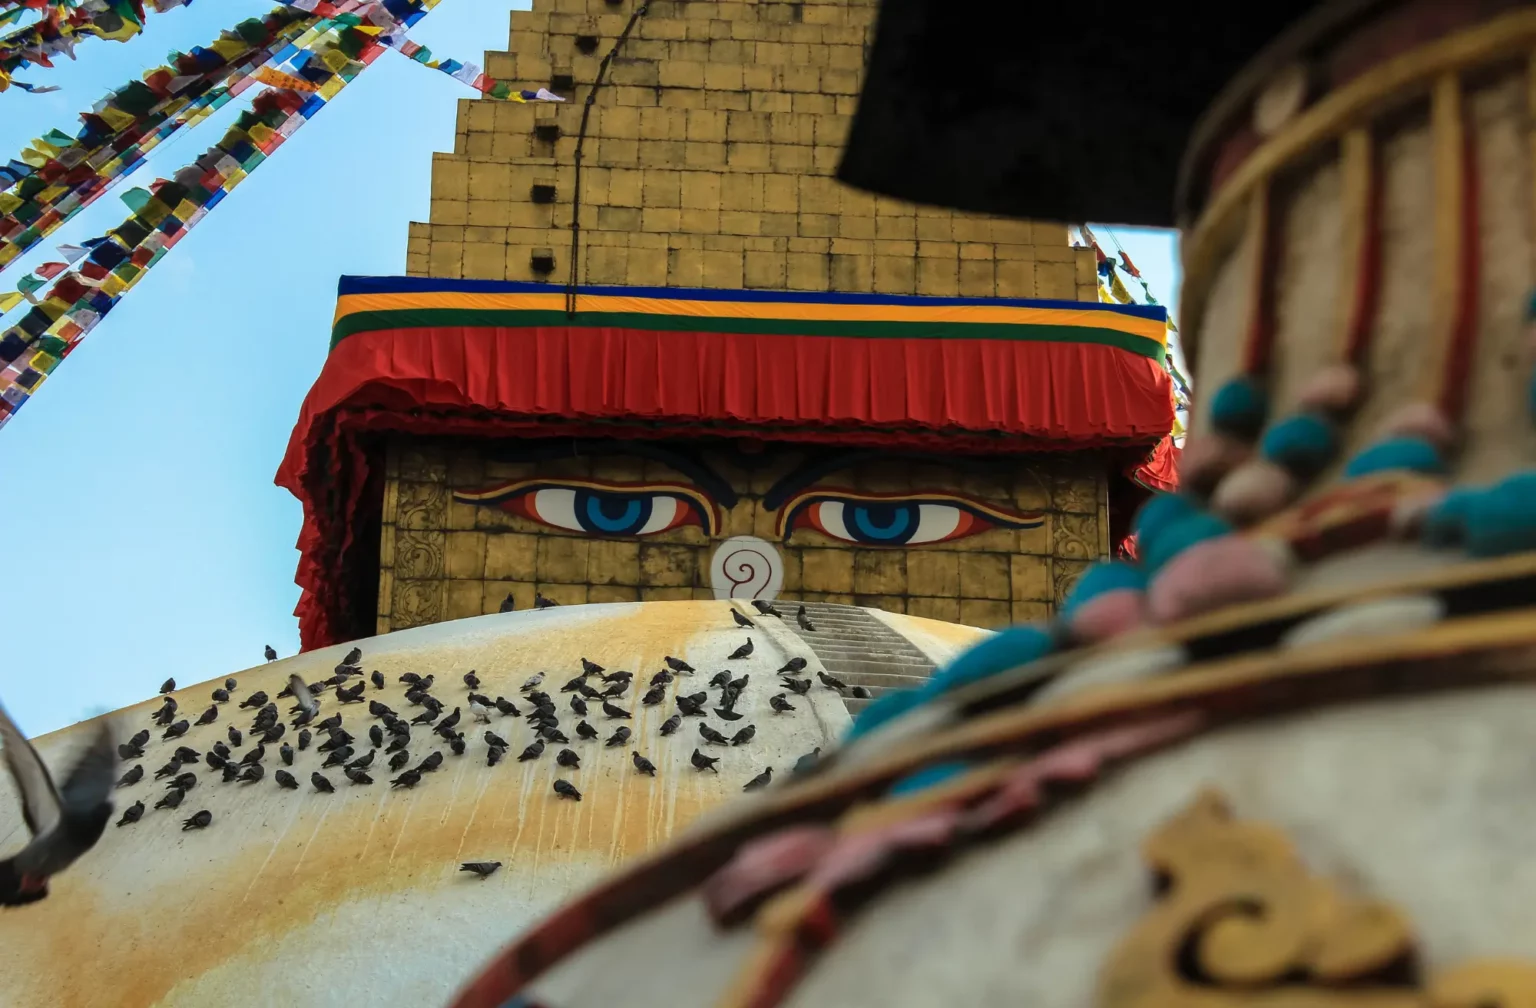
[49, 270]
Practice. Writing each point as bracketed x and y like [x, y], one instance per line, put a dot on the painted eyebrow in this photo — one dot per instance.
[702, 475]
[793, 482]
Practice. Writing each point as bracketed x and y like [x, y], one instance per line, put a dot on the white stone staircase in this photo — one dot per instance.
[860, 649]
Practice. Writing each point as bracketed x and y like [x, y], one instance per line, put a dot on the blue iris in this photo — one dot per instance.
[881, 523]
[608, 513]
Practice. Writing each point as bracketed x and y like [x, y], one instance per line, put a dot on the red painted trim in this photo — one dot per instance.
[1362, 320]
[1463, 345]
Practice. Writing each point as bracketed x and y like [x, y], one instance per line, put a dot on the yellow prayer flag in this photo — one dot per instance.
[334, 60]
[33, 158]
[9, 201]
[261, 134]
[116, 118]
[229, 48]
[1117, 288]
[113, 285]
[52, 193]
[331, 88]
[278, 79]
[10, 300]
[367, 29]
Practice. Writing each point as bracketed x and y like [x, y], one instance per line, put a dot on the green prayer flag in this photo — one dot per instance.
[137, 198]
[30, 284]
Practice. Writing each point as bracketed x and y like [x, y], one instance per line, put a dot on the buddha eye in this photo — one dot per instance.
[896, 519]
[601, 509]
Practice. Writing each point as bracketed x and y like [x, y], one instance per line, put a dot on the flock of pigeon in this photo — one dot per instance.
[340, 758]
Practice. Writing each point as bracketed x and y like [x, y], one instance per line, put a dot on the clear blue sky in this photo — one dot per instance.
[148, 539]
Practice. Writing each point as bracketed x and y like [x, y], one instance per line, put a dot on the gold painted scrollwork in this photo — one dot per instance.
[1240, 922]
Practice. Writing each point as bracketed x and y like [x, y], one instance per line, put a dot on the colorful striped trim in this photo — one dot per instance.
[992, 515]
[373, 304]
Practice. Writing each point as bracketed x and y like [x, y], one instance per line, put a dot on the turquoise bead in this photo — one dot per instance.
[1004, 650]
[1400, 453]
[1445, 524]
[1530, 393]
[1159, 511]
[1302, 443]
[927, 777]
[1104, 577]
[1180, 536]
[885, 708]
[1240, 407]
[1502, 519]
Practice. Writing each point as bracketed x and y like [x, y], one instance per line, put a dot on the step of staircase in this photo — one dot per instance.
[862, 650]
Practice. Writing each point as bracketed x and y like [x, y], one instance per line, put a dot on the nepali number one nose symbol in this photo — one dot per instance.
[746, 567]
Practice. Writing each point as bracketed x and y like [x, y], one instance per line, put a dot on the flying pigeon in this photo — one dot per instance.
[642, 764]
[726, 714]
[565, 789]
[740, 652]
[759, 782]
[304, 698]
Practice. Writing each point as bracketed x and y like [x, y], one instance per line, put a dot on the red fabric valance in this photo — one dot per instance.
[957, 395]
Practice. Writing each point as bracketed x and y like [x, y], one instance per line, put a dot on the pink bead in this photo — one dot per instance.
[1215, 573]
[1409, 512]
[1253, 491]
[1207, 458]
[1109, 615]
[1334, 389]
[1419, 420]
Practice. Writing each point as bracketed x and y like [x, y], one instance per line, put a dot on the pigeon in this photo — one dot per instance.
[398, 744]
[619, 737]
[800, 686]
[726, 714]
[457, 745]
[642, 764]
[759, 782]
[357, 776]
[252, 774]
[231, 772]
[168, 685]
[230, 684]
[353, 657]
[671, 724]
[208, 716]
[579, 706]
[410, 677]
[329, 724]
[586, 731]
[553, 735]
[662, 677]
[540, 602]
[567, 758]
[741, 620]
[491, 738]
[804, 621]
[507, 707]
[199, 820]
[128, 752]
[703, 762]
[304, 699]
[216, 762]
[765, 608]
[534, 750]
[378, 679]
[274, 733]
[690, 705]
[445, 726]
[708, 734]
[337, 757]
[235, 738]
[353, 695]
[139, 737]
[221, 695]
[744, 736]
[379, 710]
[805, 764]
[432, 762]
[740, 652]
[409, 779]
[622, 675]
[484, 869]
[362, 762]
[677, 664]
[176, 730]
[256, 754]
[220, 749]
[779, 704]
[735, 686]
[591, 668]
[165, 715]
[589, 692]
[304, 737]
[508, 604]
[320, 783]
[471, 680]
[531, 683]
[565, 789]
[425, 717]
[721, 678]
[399, 760]
[859, 692]
[493, 755]
[257, 699]
[171, 800]
[132, 814]
[285, 780]
[795, 664]
[572, 685]
[185, 781]
[133, 776]
[171, 769]
[614, 711]
[271, 653]
[831, 682]
[655, 695]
